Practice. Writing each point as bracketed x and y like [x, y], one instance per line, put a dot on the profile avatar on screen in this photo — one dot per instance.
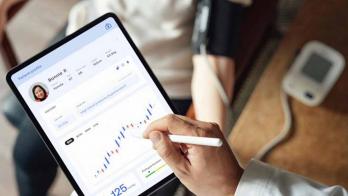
[39, 93]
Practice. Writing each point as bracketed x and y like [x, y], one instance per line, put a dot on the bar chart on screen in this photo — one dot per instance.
[111, 144]
[132, 129]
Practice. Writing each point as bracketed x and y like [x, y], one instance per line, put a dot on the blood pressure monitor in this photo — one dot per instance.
[313, 73]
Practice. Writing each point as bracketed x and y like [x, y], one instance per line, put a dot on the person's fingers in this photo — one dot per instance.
[173, 124]
[182, 125]
[169, 152]
[210, 129]
[201, 124]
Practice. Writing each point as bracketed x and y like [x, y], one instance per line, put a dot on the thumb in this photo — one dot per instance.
[167, 151]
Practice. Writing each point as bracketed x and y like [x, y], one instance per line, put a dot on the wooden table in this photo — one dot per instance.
[318, 147]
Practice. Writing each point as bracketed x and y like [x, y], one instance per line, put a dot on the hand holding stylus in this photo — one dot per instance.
[215, 168]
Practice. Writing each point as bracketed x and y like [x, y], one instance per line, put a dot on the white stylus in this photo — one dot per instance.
[204, 141]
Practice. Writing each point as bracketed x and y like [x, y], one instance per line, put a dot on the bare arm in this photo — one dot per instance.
[206, 99]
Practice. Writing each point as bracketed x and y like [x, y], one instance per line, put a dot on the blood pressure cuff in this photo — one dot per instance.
[223, 30]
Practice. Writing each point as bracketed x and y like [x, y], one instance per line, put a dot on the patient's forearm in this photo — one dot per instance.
[207, 101]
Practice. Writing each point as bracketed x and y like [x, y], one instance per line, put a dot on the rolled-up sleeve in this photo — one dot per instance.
[262, 179]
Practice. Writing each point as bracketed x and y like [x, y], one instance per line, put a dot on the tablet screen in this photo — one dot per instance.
[93, 97]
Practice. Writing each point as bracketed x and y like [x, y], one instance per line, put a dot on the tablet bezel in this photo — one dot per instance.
[38, 126]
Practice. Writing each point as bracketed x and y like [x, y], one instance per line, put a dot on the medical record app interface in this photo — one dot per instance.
[94, 98]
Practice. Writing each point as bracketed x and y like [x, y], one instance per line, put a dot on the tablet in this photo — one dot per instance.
[88, 96]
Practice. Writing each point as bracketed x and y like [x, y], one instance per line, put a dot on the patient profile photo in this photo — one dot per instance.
[39, 92]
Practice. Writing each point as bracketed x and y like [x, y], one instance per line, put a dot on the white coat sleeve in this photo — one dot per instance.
[260, 179]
